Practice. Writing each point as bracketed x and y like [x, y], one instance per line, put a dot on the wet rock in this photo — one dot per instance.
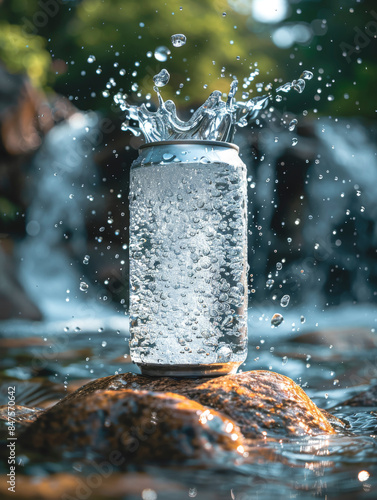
[261, 403]
[341, 339]
[365, 398]
[22, 414]
[142, 426]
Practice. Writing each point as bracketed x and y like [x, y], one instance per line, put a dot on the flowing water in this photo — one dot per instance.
[45, 362]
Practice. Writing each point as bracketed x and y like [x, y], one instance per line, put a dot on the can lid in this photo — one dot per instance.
[191, 141]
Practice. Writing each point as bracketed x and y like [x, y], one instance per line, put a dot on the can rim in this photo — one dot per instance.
[191, 141]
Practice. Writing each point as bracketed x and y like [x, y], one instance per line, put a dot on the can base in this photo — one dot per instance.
[192, 371]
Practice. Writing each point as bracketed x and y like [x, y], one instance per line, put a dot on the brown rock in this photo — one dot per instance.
[342, 339]
[260, 402]
[22, 414]
[142, 426]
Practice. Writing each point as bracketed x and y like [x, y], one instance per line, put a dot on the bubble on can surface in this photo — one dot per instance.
[188, 294]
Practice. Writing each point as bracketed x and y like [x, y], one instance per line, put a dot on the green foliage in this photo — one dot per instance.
[7, 209]
[22, 55]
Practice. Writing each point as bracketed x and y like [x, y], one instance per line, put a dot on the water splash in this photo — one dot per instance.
[215, 120]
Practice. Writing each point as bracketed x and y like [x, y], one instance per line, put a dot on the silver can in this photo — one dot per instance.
[188, 259]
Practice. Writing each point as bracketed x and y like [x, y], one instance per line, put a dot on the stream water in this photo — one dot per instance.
[46, 361]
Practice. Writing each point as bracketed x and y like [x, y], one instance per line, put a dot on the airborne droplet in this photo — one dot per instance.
[307, 75]
[277, 319]
[162, 53]
[270, 283]
[292, 125]
[285, 300]
[162, 78]
[299, 85]
[84, 286]
[178, 40]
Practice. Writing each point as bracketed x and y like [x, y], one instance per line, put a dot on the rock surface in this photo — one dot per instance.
[341, 339]
[142, 426]
[365, 398]
[165, 419]
[260, 402]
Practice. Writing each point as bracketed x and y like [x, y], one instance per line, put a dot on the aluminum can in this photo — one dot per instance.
[188, 259]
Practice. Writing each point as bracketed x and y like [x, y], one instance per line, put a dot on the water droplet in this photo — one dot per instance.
[204, 159]
[284, 88]
[224, 354]
[270, 283]
[306, 75]
[104, 343]
[178, 40]
[279, 266]
[162, 53]
[168, 156]
[277, 319]
[284, 360]
[279, 98]
[162, 78]
[91, 59]
[294, 141]
[285, 300]
[299, 85]
[292, 125]
[302, 319]
[84, 286]
[86, 259]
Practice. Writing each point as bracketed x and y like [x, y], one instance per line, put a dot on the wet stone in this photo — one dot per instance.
[342, 339]
[165, 419]
[143, 426]
[365, 398]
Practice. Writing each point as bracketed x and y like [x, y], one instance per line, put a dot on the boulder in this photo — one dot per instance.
[141, 426]
[166, 419]
[365, 398]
